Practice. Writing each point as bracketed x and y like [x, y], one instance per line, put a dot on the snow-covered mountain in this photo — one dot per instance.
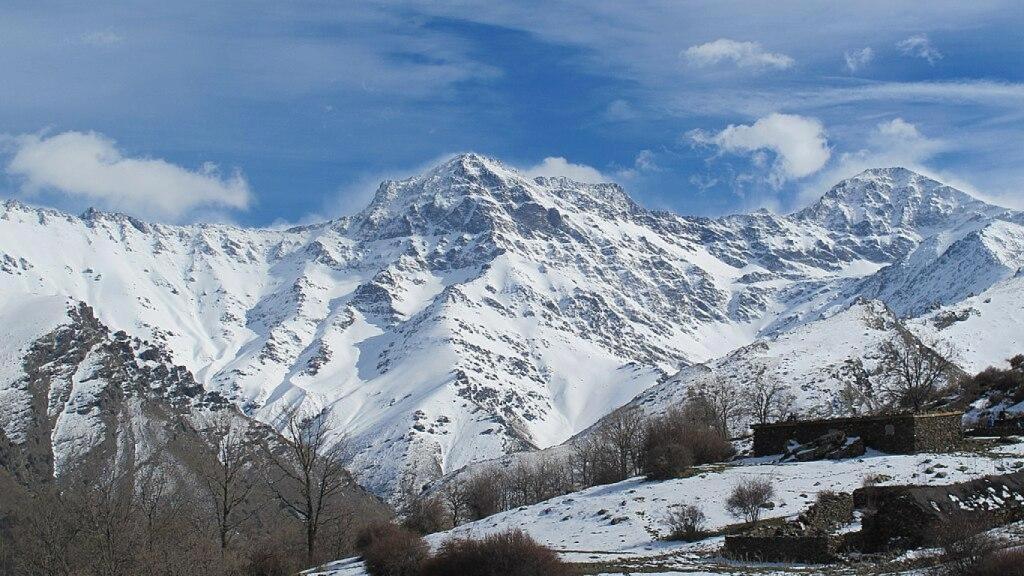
[471, 311]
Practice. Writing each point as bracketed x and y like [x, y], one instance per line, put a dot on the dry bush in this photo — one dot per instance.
[267, 561]
[749, 497]
[1004, 383]
[511, 553]
[687, 523]
[664, 460]
[872, 479]
[426, 515]
[680, 439]
[390, 550]
[964, 545]
[708, 445]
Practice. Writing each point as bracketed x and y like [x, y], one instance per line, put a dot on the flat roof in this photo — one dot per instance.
[852, 419]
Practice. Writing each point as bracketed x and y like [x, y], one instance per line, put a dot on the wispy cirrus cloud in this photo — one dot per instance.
[920, 46]
[101, 38]
[740, 54]
[857, 59]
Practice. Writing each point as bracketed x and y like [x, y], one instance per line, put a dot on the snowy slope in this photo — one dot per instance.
[470, 311]
[812, 361]
[986, 329]
[626, 521]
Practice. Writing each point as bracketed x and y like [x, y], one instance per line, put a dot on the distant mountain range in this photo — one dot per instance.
[472, 311]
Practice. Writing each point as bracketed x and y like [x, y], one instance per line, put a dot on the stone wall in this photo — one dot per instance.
[903, 517]
[832, 509]
[806, 539]
[895, 434]
[937, 432]
[811, 548]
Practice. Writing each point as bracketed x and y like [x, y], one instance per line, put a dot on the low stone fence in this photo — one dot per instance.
[810, 548]
[895, 434]
[832, 509]
[806, 539]
[903, 517]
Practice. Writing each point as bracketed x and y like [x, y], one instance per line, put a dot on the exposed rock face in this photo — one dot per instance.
[833, 445]
[85, 391]
[471, 312]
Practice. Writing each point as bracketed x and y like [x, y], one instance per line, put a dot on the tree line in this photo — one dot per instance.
[250, 506]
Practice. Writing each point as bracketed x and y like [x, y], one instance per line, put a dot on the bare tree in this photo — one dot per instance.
[767, 399]
[720, 400]
[308, 472]
[749, 497]
[858, 393]
[623, 432]
[228, 480]
[915, 374]
[483, 493]
[455, 498]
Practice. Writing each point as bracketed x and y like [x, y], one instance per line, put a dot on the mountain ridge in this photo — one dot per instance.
[471, 311]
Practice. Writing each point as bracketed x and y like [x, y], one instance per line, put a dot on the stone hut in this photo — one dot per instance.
[904, 517]
[895, 434]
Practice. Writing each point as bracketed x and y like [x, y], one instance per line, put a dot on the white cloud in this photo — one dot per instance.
[644, 162]
[558, 166]
[89, 165]
[798, 143]
[858, 58]
[902, 137]
[919, 46]
[742, 54]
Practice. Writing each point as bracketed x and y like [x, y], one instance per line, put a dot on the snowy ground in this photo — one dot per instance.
[622, 524]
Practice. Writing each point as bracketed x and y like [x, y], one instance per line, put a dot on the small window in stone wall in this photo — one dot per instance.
[890, 430]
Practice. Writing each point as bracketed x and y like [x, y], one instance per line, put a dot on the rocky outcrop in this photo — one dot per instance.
[832, 445]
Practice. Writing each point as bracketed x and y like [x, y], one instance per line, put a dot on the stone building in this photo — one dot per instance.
[894, 434]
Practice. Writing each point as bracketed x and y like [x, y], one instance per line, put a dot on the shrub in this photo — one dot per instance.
[676, 441]
[964, 545]
[708, 445]
[874, 479]
[663, 461]
[426, 515]
[511, 553]
[686, 522]
[390, 550]
[483, 493]
[267, 562]
[749, 497]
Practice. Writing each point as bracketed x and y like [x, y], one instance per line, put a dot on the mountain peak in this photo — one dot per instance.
[471, 189]
[883, 201]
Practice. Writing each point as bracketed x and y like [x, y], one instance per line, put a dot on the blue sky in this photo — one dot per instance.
[262, 113]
